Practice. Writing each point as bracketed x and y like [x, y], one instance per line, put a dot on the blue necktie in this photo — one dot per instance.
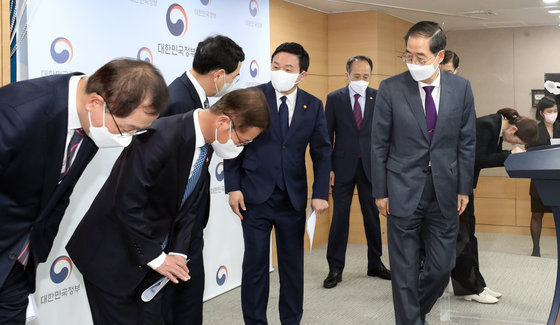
[283, 115]
[193, 180]
[191, 183]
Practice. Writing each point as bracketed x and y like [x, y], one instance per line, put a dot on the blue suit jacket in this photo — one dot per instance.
[182, 96]
[255, 170]
[401, 149]
[347, 140]
[33, 130]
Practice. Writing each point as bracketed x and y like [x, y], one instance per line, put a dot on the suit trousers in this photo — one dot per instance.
[289, 227]
[415, 293]
[125, 309]
[343, 192]
[182, 302]
[466, 277]
[14, 296]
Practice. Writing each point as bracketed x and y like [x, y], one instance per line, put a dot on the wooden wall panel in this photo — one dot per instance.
[497, 187]
[492, 211]
[503, 205]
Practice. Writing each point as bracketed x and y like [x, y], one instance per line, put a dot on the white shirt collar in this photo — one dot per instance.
[199, 90]
[436, 83]
[199, 137]
[73, 118]
[290, 99]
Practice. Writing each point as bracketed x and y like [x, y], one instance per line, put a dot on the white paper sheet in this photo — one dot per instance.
[31, 312]
[311, 222]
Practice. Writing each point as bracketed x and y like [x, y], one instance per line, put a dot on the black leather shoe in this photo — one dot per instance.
[332, 280]
[381, 272]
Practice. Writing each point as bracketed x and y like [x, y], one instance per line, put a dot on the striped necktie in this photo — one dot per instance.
[71, 150]
[357, 111]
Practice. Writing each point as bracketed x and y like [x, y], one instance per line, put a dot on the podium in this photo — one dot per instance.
[542, 165]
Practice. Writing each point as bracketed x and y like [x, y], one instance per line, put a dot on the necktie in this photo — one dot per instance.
[71, 150]
[206, 103]
[357, 111]
[431, 113]
[283, 114]
[197, 170]
[191, 183]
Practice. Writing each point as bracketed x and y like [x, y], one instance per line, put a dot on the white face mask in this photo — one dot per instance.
[228, 150]
[283, 81]
[359, 86]
[225, 89]
[421, 72]
[550, 118]
[105, 139]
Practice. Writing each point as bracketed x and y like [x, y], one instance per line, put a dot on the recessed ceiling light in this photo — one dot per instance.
[554, 11]
[550, 1]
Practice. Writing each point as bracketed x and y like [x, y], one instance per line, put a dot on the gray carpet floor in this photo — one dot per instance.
[526, 282]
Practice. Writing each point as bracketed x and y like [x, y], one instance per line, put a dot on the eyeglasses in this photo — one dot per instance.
[242, 141]
[409, 58]
[137, 132]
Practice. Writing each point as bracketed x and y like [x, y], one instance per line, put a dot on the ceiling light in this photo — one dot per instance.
[550, 1]
[554, 11]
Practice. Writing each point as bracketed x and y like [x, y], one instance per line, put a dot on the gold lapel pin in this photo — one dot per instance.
[371, 97]
[304, 106]
[207, 159]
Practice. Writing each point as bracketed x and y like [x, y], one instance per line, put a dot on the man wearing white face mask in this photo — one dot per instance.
[267, 186]
[215, 70]
[142, 220]
[349, 111]
[422, 162]
[50, 128]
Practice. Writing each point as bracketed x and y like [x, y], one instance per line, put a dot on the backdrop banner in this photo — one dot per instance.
[81, 35]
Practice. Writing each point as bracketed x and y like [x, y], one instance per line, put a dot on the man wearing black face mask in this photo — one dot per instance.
[143, 218]
[50, 129]
[215, 70]
[422, 162]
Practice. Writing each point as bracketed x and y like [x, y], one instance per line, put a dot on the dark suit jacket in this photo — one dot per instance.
[489, 152]
[401, 149]
[33, 129]
[139, 206]
[182, 96]
[347, 140]
[255, 170]
[544, 138]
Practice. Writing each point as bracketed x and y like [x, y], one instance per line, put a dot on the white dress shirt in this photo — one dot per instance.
[435, 92]
[73, 119]
[290, 101]
[199, 90]
[361, 99]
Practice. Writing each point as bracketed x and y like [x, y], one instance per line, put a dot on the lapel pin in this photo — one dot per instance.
[370, 97]
[207, 159]
[304, 106]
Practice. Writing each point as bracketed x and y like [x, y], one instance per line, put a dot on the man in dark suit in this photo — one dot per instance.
[268, 182]
[349, 111]
[141, 220]
[216, 64]
[423, 150]
[50, 128]
[215, 70]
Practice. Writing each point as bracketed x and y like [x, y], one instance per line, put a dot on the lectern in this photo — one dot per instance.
[542, 165]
